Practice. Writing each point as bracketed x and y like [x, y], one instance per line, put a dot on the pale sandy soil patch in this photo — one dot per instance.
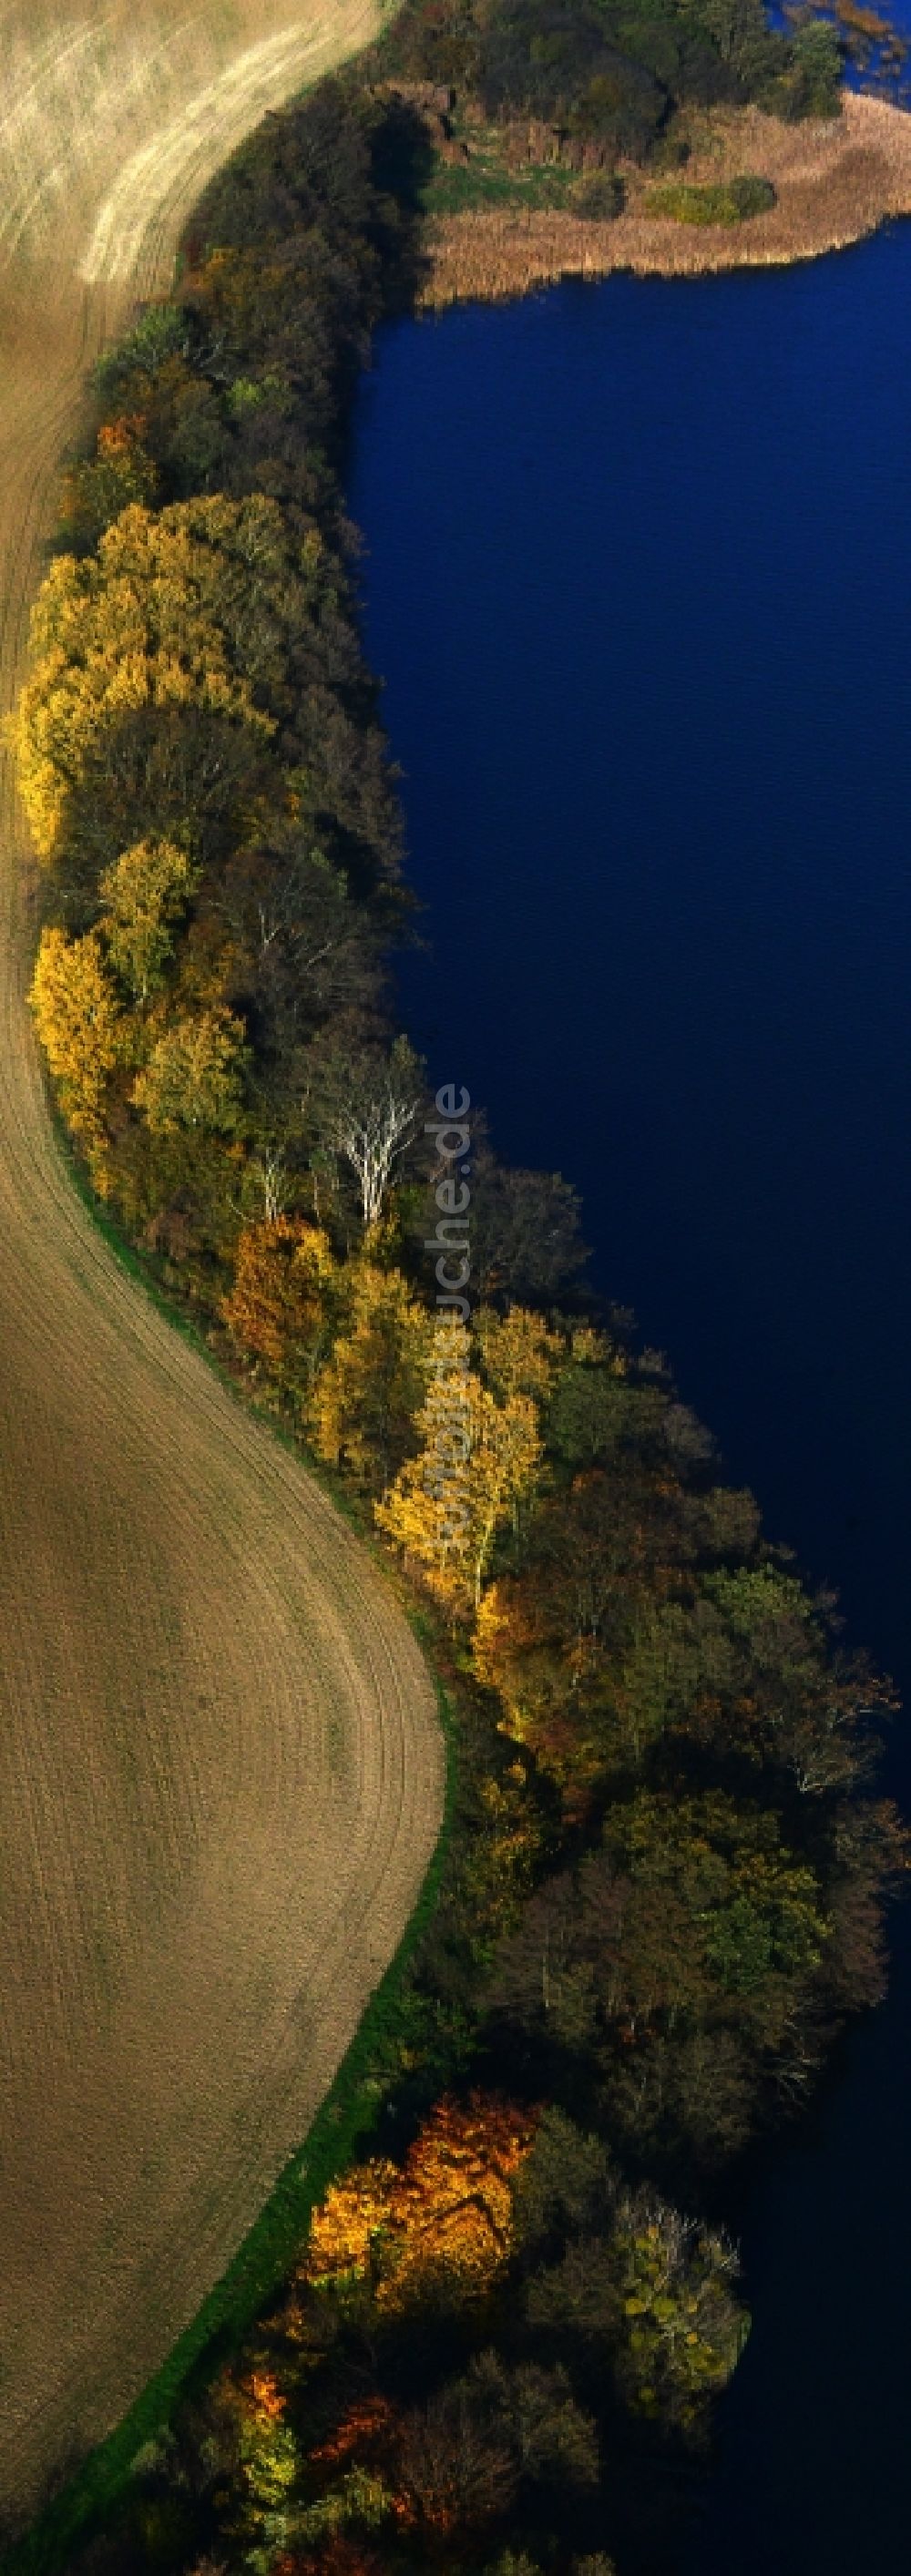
[220, 1767]
[834, 181]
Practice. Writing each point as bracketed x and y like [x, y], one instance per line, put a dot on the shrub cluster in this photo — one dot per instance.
[728, 201]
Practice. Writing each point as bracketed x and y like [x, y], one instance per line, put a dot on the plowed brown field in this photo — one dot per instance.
[220, 1768]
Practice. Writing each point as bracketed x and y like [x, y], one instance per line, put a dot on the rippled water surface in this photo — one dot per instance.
[639, 580]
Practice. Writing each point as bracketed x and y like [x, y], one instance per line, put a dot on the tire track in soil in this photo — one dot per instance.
[221, 1774]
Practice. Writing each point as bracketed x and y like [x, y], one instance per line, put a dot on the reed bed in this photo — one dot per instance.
[834, 182]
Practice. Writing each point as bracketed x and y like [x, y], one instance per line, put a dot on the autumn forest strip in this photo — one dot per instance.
[663, 1890]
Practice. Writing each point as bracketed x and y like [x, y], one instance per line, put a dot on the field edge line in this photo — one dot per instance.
[344, 2123]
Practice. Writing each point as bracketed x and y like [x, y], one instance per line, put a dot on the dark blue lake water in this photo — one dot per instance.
[639, 581]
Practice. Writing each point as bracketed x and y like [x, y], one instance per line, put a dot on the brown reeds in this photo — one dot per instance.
[834, 182]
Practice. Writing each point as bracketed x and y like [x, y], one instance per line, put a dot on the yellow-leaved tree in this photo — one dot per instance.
[477, 1461]
[194, 1076]
[520, 1355]
[146, 892]
[82, 1030]
[155, 618]
[366, 1398]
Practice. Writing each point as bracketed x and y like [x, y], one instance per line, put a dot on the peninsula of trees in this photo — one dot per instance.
[659, 135]
[665, 1878]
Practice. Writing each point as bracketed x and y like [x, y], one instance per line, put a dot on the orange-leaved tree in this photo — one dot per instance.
[453, 2205]
[97, 489]
[441, 2221]
[285, 1292]
[348, 2224]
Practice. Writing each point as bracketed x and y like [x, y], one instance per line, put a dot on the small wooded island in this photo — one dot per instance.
[662, 1891]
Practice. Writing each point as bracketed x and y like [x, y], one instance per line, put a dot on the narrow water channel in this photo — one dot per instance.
[638, 576]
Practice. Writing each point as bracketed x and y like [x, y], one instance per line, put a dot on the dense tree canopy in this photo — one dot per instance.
[616, 69]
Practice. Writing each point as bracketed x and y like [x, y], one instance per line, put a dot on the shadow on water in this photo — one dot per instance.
[639, 579]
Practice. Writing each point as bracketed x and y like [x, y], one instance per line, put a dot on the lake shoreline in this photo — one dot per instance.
[835, 183]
